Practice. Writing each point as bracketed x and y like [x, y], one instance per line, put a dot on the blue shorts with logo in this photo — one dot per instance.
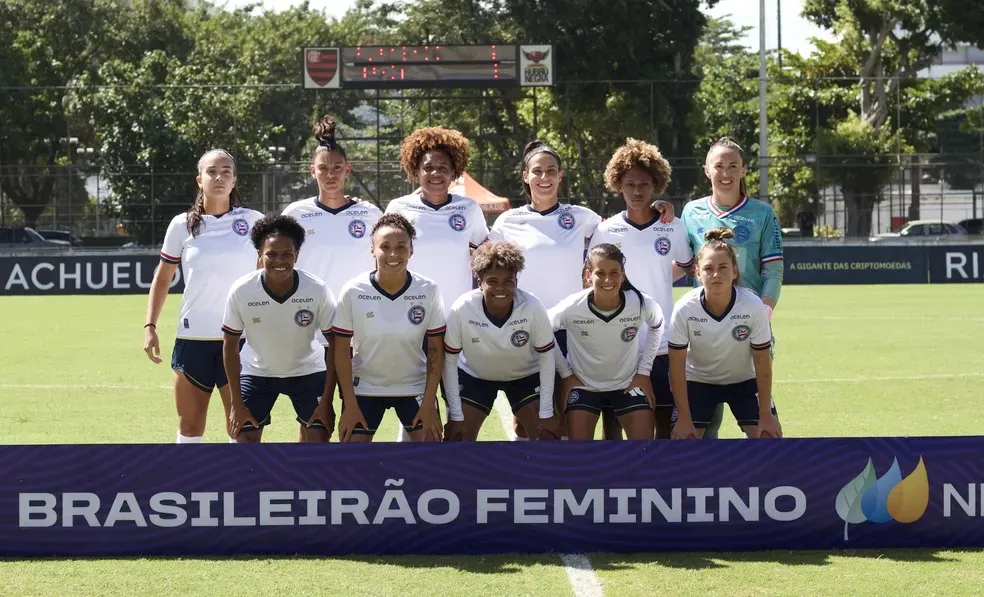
[374, 407]
[741, 397]
[620, 401]
[200, 361]
[260, 394]
[481, 393]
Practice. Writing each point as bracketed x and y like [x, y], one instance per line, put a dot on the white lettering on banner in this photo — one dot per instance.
[34, 276]
[42, 276]
[957, 263]
[970, 505]
[63, 277]
[434, 506]
[119, 276]
[102, 280]
[16, 277]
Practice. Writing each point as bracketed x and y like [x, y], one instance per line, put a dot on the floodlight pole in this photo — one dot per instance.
[763, 110]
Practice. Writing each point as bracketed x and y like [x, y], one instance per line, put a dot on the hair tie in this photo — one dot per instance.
[328, 144]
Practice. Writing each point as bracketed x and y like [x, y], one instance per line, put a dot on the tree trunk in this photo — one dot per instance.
[916, 189]
[859, 207]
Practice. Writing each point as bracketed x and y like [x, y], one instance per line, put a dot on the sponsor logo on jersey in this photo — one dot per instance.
[457, 222]
[257, 303]
[415, 297]
[357, 228]
[478, 323]
[698, 319]
[518, 321]
[302, 300]
[742, 233]
[618, 229]
[240, 226]
[566, 220]
[741, 316]
[662, 245]
[303, 318]
[629, 333]
[741, 333]
[416, 314]
[582, 321]
[316, 214]
[519, 338]
[661, 229]
[369, 297]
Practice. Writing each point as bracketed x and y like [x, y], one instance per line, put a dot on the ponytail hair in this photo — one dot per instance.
[197, 210]
[324, 134]
[730, 143]
[610, 251]
[533, 148]
[715, 238]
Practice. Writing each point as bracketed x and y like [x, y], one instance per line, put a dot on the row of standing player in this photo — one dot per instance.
[211, 242]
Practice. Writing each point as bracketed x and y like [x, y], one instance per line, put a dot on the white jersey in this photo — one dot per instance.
[388, 332]
[337, 243]
[446, 234]
[210, 263]
[283, 333]
[650, 251]
[494, 350]
[604, 350]
[720, 347]
[553, 242]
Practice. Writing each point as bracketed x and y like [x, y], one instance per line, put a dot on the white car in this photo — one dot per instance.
[922, 230]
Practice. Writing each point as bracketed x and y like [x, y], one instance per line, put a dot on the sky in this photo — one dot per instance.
[796, 30]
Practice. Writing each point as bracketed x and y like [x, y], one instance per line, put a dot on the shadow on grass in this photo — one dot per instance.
[516, 563]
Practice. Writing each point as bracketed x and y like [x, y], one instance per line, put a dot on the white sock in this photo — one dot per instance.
[521, 439]
[563, 438]
[233, 440]
[403, 436]
[185, 439]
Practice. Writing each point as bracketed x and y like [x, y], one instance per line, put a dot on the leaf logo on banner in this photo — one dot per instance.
[908, 500]
[848, 501]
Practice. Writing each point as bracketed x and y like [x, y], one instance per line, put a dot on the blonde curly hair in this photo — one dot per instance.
[644, 155]
[422, 140]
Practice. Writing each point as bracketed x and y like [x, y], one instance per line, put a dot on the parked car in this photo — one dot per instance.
[972, 225]
[23, 237]
[65, 235]
[922, 230]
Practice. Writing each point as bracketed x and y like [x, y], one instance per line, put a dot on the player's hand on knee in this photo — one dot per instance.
[433, 430]
[548, 429]
[326, 415]
[454, 431]
[769, 427]
[239, 416]
[683, 430]
[152, 345]
[350, 419]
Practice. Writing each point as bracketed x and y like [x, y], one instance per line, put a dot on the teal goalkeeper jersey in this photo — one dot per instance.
[758, 237]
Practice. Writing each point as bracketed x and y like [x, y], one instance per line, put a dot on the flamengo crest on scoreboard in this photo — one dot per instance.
[428, 66]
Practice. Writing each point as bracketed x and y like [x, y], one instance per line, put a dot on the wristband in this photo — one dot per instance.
[150, 325]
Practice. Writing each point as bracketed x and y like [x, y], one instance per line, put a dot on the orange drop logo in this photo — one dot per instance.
[908, 500]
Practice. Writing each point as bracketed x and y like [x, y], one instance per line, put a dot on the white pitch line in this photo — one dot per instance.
[880, 378]
[96, 386]
[581, 576]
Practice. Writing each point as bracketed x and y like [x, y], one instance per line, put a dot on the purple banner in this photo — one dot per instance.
[490, 497]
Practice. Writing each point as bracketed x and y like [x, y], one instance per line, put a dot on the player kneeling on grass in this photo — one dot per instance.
[727, 330]
[609, 367]
[384, 316]
[503, 338]
[283, 311]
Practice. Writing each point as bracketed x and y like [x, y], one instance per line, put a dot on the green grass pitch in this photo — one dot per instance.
[851, 361]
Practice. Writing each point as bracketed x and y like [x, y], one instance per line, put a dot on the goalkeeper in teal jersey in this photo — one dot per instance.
[758, 238]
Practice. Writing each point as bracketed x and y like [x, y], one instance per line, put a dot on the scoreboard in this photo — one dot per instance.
[428, 66]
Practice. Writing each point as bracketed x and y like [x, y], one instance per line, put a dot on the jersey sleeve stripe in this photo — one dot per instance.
[677, 346]
[685, 265]
[657, 326]
[770, 258]
[168, 259]
[546, 348]
[437, 331]
[327, 332]
[232, 331]
[341, 332]
[764, 346]
[451, 349]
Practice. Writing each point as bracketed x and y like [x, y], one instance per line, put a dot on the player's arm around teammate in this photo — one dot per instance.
[606, 368]
[383, 319]
[719, 348]
[499, 338]
[211, 243]
[284, 312]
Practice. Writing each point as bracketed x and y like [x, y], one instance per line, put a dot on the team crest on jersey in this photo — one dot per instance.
[566, 220]
[629, 333]
[357, 228]
[573, 397]
[240, 226]
[741, 333]
[416, 314]
[303, 318]
[742, 233]
[662, 245]
[520, 338]
[457, 222]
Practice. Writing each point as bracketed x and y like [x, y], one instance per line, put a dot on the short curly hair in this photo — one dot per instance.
[277, 225]
[394, 220]
[497, 253]
[638, 153]
[419, 142]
